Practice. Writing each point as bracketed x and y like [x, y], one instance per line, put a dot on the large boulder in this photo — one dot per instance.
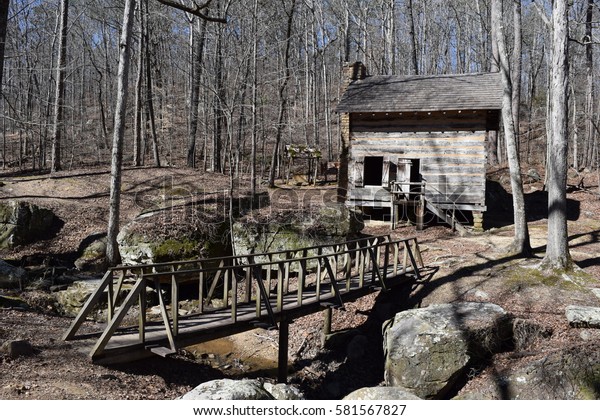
[229, 389]
[92, 254]
[153, 238]
[294, 229]
[22, 223]
[70, 301]
[427, 350]
[11, 277]
[283, 391]
[381, 393]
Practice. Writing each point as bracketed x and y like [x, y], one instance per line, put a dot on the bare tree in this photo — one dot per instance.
[521, 244]
[59, 96]
[557, 249]
[4, 5]
[283, 99]
[112, 253]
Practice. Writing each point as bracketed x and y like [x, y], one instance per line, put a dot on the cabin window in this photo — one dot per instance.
[373, 167]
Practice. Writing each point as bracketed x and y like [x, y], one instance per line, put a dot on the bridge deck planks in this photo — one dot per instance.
[198, 328]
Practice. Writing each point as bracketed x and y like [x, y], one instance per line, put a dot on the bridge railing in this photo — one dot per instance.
[270, 282]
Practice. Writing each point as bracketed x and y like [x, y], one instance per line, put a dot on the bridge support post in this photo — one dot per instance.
[282, 361]
[478, 221]
[327, 313]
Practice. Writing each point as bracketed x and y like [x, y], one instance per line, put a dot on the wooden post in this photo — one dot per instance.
[282, 361]
[420, 213]
[478, 221]
[327, 315]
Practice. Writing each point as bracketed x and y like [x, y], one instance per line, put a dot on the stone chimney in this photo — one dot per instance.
[354, 71]
[351, 72]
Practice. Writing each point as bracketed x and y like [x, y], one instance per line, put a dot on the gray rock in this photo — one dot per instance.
[229, 389]
[93, 254]
[22, 223]
[139, 245]
[12, 302]
[11, 277]
[381, 393]
[583, 316]
[596, 292]
[283, 391]
[292, 229]
[426, 350]
[16, 348]
[70, 301]
[565, 374]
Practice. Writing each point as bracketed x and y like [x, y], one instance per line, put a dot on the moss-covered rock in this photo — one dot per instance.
[22, 223]
[152, 239]
[92, 254]
[293, 229]
[428, 349]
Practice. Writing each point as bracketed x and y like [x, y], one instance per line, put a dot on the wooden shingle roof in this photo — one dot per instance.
[477, 91]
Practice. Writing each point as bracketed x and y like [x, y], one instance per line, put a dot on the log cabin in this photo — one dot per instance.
[417, 141]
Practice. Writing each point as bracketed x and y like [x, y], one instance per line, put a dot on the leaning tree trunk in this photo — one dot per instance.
[112, 253]
[521, 243]
[59, 97]
[557, 249]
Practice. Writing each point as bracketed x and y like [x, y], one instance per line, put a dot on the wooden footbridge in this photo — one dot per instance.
[236, 294]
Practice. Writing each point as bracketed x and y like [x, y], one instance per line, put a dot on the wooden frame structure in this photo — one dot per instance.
[258, 290]
[401, 132]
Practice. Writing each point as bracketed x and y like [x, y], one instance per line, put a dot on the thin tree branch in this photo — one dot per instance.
[542, 14]
[196, 10]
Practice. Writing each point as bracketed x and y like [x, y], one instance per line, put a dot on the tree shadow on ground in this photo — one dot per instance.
[499, 204]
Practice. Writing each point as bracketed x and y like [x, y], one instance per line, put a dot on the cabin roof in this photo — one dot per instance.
[476, 91]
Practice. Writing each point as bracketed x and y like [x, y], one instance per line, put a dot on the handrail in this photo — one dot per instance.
[324, 281]
[257, 254]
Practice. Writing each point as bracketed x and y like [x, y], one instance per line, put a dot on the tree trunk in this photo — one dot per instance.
[4, 5]
[521, 243]
[557, 249]
[60, 87]
[112, 253]
[492, 140]
[137, 125]
[282, 95]
[413, 38]
[149, 95]
[198, 37]
[516, 69]
[254, 101]
[590, 132]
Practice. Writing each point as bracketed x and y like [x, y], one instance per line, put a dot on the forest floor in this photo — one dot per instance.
[474, 267]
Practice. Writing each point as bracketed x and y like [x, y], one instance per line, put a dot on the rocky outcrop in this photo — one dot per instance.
[229, 389]
[70, 301]
[583, 316]
[11, 277]
[293, 229]
[427, 350]
[22, 223]
[92, 254]
[565, 374]
[150, 239]
[381, 393]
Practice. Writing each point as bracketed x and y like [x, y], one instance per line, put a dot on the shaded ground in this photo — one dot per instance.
[470, 268]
